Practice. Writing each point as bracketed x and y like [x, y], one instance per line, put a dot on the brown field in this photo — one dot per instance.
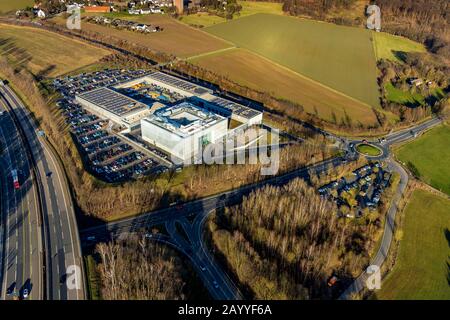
[260, 74]
[47, 50]
[176, 38]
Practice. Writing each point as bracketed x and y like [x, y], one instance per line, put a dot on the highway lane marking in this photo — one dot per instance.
[7, 229]
[26, 211]
[32, 124]
[65, 203]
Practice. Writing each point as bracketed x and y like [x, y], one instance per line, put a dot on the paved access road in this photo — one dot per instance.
[190, 242]
[389, 227]
[21, 260]
[61, 239]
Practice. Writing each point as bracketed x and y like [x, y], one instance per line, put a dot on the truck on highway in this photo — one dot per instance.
[15, 177]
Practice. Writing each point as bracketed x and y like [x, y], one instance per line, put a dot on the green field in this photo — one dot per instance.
[386, 45]
[248, 8]
[13, 5]
[47, 51]
[251, 70]
[368, 149]
[339, 57]
[408, 98]
[422, 269]
[430, 154]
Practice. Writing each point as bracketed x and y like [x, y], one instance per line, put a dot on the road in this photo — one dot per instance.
[214, 278]
[389, 228]
[21, 264]
[62, 246]
[194, 247]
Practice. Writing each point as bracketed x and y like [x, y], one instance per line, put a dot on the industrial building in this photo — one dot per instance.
[175, 115]
[109, 104]
[183, 129]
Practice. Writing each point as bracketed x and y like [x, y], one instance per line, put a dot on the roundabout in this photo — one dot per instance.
[369, 150]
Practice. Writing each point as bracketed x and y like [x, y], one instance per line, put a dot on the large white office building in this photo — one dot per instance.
[183, 129]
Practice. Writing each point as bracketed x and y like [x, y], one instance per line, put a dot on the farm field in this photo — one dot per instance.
[386, 45]
[430, 154]
[248, 8]
[47, 51]
[176, 38]
[12, 5]
[422, 268]
[251, 70]
[340, 57]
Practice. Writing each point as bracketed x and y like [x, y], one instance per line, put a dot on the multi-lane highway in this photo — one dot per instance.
[21, 260]
[61, 239]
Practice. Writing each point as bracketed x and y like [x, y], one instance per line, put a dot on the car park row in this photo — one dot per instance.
[108, 157]
[362, 190]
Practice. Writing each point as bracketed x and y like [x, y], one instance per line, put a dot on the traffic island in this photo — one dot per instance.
[369, 150]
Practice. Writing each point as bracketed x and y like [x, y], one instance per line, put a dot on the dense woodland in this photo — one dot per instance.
[135, 269]
[286, 242]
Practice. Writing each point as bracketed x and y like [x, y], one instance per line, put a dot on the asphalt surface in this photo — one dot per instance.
[190, 241]
[389, 228]
[62, 244]
[20, 240]
[61, 240]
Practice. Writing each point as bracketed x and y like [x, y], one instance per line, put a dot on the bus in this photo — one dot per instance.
[15, 177]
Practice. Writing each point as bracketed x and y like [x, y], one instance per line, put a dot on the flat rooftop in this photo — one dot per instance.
[234, 108]
[184, 119]
[112, 101]
[179, 84]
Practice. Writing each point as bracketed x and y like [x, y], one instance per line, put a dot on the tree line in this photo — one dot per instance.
[286, 242]
[137, 270]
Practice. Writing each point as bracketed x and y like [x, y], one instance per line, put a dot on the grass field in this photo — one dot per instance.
[410, 99]
[13, 5]
[176, 38]
[422, 269]
[368, 149]
[430, 154]
[386, 45]
[251, 70]
[49, 51]
[248, 8]
[339, 57]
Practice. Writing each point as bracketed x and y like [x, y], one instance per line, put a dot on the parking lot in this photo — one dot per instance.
[108, 156]
[362, 189]
[69, 86]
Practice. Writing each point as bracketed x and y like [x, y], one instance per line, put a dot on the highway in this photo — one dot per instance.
[21, 265]
[61, 239]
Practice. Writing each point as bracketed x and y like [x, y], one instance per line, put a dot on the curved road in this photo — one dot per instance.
[62, 246]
